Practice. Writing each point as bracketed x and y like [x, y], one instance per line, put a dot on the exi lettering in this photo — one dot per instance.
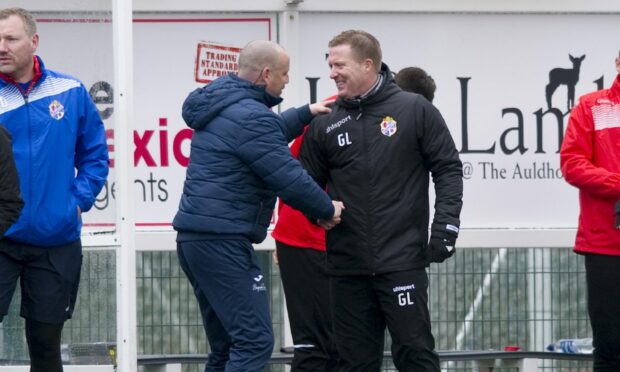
[141, 141]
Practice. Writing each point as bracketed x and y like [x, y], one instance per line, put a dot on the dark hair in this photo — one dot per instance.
[363, 45]
[30, 26]
[416, 80]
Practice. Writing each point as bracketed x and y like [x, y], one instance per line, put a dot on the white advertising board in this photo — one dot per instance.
[172, 57]
[491, 71]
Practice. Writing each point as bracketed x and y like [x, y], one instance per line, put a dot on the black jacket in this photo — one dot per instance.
[10, 199]
[375, 155]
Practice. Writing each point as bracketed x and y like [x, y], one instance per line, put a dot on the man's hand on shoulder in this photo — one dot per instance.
[323, 107]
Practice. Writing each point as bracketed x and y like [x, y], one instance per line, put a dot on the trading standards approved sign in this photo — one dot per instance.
[214, 60]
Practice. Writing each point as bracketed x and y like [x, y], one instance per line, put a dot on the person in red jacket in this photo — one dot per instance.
[300, 253]
[590, 161]
[300, 250]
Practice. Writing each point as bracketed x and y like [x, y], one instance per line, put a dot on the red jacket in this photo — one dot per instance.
[590, 161]
[292, 227]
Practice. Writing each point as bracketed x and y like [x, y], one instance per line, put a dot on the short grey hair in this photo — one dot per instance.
[30, 25]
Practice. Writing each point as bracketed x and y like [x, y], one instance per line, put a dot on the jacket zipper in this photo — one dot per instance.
[30, 163]
[367, 166]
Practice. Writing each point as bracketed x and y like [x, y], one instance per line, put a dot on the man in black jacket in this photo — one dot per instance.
[374, 152]
[10, 200]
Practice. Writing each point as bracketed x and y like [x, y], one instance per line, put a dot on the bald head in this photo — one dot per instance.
[257, 55]
[264, 62]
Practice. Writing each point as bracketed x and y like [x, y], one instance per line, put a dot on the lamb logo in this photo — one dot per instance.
[388, 126]
[57, 111]
[564, 76]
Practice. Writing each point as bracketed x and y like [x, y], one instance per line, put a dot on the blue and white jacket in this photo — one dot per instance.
[61, 155]
[240, 161]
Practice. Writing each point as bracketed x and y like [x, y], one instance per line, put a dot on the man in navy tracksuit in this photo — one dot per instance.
[62, 160]
[374, 152]
[239, 162]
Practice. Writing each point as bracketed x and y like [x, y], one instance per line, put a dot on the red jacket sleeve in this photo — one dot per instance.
[578, 160]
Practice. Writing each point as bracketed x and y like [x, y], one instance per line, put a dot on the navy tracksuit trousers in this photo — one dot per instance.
[232, 296]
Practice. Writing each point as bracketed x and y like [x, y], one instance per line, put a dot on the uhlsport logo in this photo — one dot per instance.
[388, 126]
[57, 111]
[404, 294]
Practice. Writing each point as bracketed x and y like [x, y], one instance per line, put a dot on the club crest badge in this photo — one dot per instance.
[57, 111]
[388, 126]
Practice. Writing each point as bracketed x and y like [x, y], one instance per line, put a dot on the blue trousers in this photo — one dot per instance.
[232, 296]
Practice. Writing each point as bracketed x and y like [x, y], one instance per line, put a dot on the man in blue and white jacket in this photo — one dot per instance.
[239, 162]
[62, 160]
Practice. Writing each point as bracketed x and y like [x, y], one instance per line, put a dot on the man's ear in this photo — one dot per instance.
[267, 74]
[35, 42]
[369, 64]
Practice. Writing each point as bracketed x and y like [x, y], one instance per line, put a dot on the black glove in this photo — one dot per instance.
[442, 242]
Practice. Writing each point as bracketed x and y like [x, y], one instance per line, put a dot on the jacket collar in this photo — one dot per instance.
[38, 73]
[258, 91]
[375, 93]
[615, 87]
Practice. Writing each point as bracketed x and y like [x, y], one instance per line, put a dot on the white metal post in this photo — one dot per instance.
[288, 38]
[122, 21]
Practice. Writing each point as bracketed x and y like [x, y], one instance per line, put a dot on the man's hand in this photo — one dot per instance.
[330, 224]
[274, 255]
[322, 107]
[442, 244]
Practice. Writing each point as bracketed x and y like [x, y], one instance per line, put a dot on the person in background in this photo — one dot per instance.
[239, 162]
[416, 80]
[590, 161]
[11, 202]
[61, 156]
[300, 253]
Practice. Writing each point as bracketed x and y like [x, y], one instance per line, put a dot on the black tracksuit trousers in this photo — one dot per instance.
[603, 276]
[362, 308]
[306, 287]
